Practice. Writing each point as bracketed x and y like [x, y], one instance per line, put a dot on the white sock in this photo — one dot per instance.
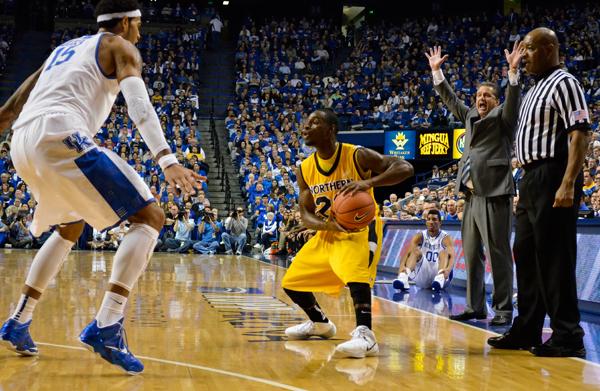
[111, 310]
[48, 261]
[133, 255]
[24, 310]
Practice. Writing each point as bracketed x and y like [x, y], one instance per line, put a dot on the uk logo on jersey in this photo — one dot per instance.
[78, 142]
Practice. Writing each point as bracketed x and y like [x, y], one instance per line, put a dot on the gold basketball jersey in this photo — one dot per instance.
[324, 185]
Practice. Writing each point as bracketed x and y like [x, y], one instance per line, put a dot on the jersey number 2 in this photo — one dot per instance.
[323, 204]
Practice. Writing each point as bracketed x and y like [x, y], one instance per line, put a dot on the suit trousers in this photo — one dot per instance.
[545, 252]
[487, 222]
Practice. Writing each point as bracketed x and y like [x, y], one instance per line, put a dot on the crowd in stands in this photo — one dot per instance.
[288, 68]
[384, 83]
[152, 10]
[6, 40]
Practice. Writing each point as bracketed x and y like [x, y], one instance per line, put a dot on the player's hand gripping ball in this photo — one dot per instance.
[354, 212]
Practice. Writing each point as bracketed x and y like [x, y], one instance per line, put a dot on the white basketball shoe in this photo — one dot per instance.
[362, 344]
[311, 329]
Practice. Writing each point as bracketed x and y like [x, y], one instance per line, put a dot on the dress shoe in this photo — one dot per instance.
[553, 349]
[468, 315]
[509, 341]
[501, 320]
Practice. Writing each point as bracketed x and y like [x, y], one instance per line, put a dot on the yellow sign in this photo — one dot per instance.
[459, 143]
[433, 144]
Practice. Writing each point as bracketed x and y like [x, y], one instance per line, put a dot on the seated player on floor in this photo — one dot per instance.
[430, 258]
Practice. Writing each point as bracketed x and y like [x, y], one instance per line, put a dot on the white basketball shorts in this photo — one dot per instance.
[72, 178]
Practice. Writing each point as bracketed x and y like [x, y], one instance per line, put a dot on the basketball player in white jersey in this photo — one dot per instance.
[430, 257]
[59, 109]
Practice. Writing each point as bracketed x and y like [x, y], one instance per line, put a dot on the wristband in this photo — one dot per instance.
[167, 161]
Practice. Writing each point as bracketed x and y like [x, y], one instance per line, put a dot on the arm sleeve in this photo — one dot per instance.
[142, 113]
[438, 77]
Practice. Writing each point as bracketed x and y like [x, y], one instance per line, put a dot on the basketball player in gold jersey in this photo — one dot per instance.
[336, 257]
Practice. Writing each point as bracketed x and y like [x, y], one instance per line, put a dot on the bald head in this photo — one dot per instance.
[541, 51]
[545, 36]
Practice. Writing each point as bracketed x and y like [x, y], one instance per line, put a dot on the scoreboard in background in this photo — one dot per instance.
[425, 144]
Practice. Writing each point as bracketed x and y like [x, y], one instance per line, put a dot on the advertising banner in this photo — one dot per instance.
[400, 143]
[458, 143]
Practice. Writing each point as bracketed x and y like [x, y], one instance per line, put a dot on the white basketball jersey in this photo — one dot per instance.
[432, 246]
[73, 84]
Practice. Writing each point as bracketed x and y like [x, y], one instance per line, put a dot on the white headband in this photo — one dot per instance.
[118, 15]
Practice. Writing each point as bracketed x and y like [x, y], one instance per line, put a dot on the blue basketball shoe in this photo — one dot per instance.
[111, 344]
[401, 283]
[15, 336]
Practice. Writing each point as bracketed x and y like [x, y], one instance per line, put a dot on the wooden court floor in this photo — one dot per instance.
[216, 322]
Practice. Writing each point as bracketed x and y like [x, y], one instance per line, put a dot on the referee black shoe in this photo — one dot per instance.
[510, 341]
[553, 349]
[468, 315]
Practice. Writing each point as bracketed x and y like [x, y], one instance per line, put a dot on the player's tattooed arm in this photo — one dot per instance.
[384, 170]
[13, 106]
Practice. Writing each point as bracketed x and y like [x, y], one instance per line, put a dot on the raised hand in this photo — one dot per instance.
[435, 57]
[514, 58]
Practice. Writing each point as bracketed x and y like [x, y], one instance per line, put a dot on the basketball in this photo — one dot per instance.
[354, 211]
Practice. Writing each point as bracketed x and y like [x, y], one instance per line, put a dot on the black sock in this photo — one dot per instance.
[361, 295]
[307, 301]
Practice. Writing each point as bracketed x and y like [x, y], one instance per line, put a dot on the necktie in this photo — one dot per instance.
[466, 174]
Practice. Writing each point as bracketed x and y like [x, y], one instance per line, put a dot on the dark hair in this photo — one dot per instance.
[493, 86]
[114, 6]
[331, 118]
[435, 212]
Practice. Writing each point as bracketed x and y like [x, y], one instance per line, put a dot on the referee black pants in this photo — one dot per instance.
[545, 251]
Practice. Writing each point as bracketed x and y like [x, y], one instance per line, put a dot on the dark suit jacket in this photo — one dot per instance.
[488, 141]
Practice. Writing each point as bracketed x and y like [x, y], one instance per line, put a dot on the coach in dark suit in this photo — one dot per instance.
[485, 176]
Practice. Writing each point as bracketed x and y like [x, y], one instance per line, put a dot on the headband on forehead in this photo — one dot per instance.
[119, 15]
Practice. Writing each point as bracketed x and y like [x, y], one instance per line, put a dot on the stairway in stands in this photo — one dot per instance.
[29, 51]
[223, 185]
[217, 77]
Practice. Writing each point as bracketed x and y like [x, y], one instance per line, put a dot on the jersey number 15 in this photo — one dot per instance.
[62, 55]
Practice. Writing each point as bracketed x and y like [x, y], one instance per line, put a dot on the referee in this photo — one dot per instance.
[551, 142]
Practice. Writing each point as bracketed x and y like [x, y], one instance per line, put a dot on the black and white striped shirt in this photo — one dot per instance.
[552, 108]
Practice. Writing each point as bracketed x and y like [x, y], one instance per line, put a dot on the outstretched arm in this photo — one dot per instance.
[127, 63]
[389, 170]
[441, 85]
[510, 112]
[13, 106]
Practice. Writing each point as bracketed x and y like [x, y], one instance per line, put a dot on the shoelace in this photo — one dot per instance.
[360, 333]
[307, 326]
[122, 343]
